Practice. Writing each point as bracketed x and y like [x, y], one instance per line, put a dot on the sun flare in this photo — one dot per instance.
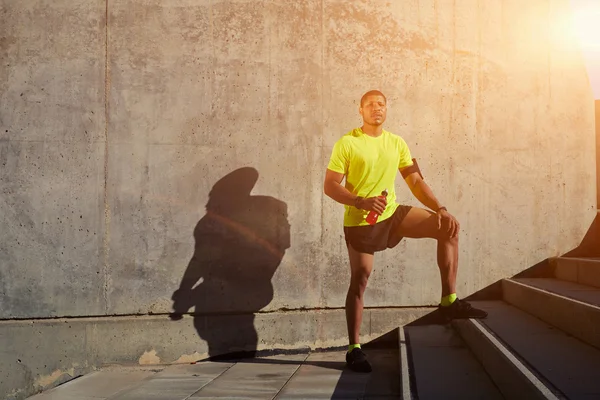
[586, 26]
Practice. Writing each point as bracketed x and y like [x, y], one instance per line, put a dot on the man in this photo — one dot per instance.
[368, 157]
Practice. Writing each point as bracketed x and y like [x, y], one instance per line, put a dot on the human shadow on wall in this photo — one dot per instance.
[239, 245]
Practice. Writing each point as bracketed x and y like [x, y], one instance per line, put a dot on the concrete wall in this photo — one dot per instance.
[598, 154]
[120, 120]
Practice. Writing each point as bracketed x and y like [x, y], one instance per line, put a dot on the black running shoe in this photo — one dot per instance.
[460, 309]
[357, 361]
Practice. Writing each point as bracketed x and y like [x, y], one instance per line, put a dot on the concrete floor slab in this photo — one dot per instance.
[319, 376]
[259, 378]
[164, 389]
[97, 385]
[61, 396]
[324, 376]
[177, 382]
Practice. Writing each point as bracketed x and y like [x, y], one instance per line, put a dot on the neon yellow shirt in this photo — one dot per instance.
[370, 165]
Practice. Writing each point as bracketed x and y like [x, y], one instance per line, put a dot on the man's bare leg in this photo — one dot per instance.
[361, 265]
[420, 223]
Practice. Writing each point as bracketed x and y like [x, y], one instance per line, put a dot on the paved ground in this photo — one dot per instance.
[304, 376]
[442, 368]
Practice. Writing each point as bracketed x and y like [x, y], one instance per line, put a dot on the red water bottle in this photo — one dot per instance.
[372, 217]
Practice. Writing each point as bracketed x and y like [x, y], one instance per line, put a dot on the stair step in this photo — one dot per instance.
[324, 376]
[571, 307]
[511, 376]
[407, 393]
[444, 368]
[570, 365]
[562, 365]
[585, 271]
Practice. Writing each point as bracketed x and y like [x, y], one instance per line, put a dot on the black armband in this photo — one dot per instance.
[412, 169]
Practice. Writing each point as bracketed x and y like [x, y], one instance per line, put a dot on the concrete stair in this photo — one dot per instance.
[584, 271]
[540, 341]
[440, 366]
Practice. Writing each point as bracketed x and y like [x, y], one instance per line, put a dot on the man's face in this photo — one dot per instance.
[374, 110]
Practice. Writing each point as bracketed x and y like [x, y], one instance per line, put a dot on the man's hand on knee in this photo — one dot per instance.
[448, 223]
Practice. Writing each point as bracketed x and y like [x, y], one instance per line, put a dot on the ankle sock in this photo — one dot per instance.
[448, 300]
[353, 346]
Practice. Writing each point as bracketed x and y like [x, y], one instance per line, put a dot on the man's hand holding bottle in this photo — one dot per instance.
[375, 206]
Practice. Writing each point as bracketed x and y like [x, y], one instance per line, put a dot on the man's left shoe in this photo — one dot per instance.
[460, 309]
[356, 360]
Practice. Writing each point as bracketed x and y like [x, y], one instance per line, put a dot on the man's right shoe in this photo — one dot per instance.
[460, 309]
[357, 361]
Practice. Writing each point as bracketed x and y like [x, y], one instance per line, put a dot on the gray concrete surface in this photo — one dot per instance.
[107, 171]
[568, 306]
[179, 382]
[404, 365]
[42, 354]
[324, 376]
[511, 376]
[597, 117]
[444, 368]
[256, 379]
[578, 270]
[569, 364]
[52, 123]
[120, 120]
[303, 376]
[582, 293]
[98, 385]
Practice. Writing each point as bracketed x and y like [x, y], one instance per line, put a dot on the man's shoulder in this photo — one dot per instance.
[352, 134]
[349, 137]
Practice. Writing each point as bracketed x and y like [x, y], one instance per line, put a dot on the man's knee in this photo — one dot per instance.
[444, 236]
[359, 280]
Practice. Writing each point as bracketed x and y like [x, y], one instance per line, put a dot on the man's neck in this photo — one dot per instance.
[372, 130]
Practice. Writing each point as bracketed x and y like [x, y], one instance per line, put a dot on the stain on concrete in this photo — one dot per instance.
[57, 376]
[189, 358]
[149, 358]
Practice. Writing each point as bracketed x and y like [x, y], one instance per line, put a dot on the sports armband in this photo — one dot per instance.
[413, 168]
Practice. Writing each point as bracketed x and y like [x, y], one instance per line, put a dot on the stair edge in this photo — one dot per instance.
[479, 340]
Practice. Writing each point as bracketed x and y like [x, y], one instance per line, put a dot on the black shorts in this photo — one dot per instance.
[383, 235]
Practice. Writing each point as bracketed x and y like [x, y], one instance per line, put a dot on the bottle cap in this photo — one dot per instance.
[385, 192]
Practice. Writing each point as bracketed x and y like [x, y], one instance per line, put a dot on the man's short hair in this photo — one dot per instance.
[372, 93]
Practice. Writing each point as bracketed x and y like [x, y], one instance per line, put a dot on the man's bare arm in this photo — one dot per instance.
[422, 191]
[334, 189]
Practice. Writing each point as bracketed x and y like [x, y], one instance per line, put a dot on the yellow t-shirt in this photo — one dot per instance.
[370, 165]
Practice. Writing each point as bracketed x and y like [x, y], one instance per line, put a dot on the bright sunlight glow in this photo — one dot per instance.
[586, 24]
[585, 28]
